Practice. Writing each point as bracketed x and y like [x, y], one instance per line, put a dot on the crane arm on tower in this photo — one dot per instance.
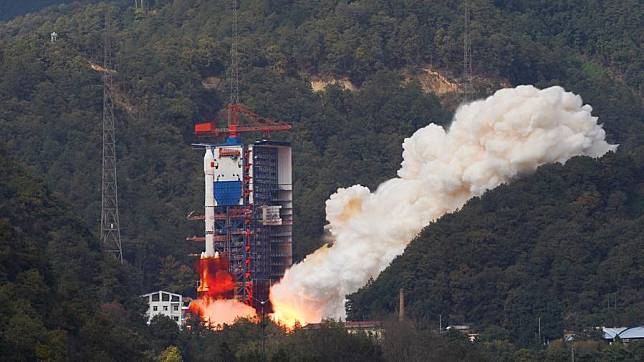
[253, 123]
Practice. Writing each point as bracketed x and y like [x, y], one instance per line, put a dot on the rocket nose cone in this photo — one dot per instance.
[208, 155]
[208, 158]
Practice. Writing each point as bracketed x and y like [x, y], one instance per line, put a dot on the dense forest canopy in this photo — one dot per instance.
[57, 288]
[172, 71]
[171, 67]
[12, 8]
[563, 246]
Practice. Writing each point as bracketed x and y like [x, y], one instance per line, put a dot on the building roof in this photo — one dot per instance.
[624, 332]
[348, 325]
[632, 333]
[611, 333]
[363, 324]
[160, 291]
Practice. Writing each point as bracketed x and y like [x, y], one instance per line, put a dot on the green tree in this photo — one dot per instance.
[164, 329]
[170, 354]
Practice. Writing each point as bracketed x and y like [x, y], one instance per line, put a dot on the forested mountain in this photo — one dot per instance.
[564, 245]
[62, 299]
[171, 68]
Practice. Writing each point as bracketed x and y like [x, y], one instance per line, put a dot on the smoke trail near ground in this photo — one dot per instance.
[214, 304]
[216, 313]
[489, 142]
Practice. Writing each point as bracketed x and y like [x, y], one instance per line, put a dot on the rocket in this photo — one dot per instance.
[209, 202]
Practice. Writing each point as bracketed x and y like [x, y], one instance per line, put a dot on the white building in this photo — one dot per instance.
[167, 304]
[624, 334]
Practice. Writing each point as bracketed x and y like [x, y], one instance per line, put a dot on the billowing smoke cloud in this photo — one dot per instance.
[489, 142]
[214, 304]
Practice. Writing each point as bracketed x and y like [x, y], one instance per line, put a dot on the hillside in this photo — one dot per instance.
[564, 245]
[54, 280]
[64, 301]
[50, 98]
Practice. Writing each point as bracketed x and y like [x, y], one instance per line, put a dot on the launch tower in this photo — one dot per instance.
[248, 195]
[248, 202]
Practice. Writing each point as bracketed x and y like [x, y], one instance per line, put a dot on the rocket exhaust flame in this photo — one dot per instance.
[489, 142]
[214, 279]
[214, 304]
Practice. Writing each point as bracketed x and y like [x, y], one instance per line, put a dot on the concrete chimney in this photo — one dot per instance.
[401, 305]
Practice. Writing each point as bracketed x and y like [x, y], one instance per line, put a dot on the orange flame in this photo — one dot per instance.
[215, 281]
[214, 304]
[292, 307]
[294, 313]
[218, 312]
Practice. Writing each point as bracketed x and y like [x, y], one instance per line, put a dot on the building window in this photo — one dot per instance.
[176, 318]
[155, 308]
[175, 308]
[165, 297]
[155, 297]
[165, 308]
[175, 298]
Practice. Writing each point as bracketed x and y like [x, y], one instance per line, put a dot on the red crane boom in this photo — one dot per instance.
[254, 123]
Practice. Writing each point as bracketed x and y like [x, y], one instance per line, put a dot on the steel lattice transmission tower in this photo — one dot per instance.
[467, 53]
[234, 58]
[110, 228]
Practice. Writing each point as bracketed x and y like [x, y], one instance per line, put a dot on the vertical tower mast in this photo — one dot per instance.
[234, 58]
[248, 194]
[233, 115]
[110, 228]
[241, 267]
[467, 53]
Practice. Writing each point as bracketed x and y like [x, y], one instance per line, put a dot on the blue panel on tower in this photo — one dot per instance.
[228, 193]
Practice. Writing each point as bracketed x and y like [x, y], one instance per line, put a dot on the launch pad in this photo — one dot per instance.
[248, 204]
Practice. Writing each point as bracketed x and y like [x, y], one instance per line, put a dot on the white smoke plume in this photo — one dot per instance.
[489, 142]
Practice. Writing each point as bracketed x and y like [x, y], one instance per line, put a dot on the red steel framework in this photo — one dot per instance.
[244, 213]
[255, 123]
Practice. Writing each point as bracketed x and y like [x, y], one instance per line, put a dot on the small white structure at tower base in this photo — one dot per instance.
[168, 304]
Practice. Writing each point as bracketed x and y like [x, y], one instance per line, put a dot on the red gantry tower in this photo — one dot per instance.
[248, 194]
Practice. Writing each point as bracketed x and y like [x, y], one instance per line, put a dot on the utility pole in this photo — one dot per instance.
[110, 228]
[401, 305]
[263, 324]
[539, 329]
[467, 54]
[139, 8]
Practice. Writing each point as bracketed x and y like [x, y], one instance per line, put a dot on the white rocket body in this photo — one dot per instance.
[209, 202]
